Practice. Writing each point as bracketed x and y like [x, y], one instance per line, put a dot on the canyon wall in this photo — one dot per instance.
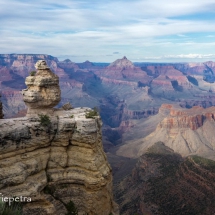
[125, 92]
[186, 131]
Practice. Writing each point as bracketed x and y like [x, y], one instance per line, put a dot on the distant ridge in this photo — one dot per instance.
[123, 63]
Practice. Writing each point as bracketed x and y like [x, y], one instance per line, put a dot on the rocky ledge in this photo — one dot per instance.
[55, 162]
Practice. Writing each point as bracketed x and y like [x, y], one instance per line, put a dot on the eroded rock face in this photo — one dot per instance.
[43, 92]
[186, 131]
[123, 69]
[55, 163]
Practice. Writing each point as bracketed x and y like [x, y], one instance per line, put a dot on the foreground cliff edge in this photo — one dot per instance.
[54, 155]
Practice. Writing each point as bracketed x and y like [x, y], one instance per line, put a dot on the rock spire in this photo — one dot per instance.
[43, 91]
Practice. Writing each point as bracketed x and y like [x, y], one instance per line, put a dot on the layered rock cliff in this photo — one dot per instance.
[125, 70]
[186, 131]
[54, 155]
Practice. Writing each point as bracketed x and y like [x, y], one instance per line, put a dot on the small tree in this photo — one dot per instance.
[44, 120]
[92, 113]
[32, 73]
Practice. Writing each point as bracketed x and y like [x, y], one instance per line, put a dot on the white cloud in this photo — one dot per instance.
[191, 56]
[98, 28]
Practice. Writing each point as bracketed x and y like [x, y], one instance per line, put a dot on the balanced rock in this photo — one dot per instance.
[43, 91]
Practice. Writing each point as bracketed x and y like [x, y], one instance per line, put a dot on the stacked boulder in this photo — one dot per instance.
[43, 92]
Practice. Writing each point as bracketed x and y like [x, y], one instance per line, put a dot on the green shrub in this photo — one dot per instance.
[32, 73]
[44, 120]
[207, 163]
[72, 116]
[14, 209]
[92, 113]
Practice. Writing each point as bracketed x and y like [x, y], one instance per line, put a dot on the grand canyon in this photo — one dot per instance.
[158, 122]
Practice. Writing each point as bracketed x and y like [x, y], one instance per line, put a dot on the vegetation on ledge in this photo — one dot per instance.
[92, 113]
[32, 73]
[44, 120]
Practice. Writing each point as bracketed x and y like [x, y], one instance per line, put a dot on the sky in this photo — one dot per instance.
[103, 31]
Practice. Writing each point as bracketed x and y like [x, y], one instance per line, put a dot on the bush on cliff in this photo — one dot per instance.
[14, 209]
[44, 120]
[32, 73]
[92, 113]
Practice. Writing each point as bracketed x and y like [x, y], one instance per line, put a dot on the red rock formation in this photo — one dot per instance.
[118, 82]
[141, 89]
[202, 101]
[23, 63]
[68, 64]
[168, 74]
[124, 69]
[125, 126]
[12, 102]
[187, 118]
[186, 131]
[5, 74]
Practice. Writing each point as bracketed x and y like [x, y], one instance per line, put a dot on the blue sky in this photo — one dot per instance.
[103, 31]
